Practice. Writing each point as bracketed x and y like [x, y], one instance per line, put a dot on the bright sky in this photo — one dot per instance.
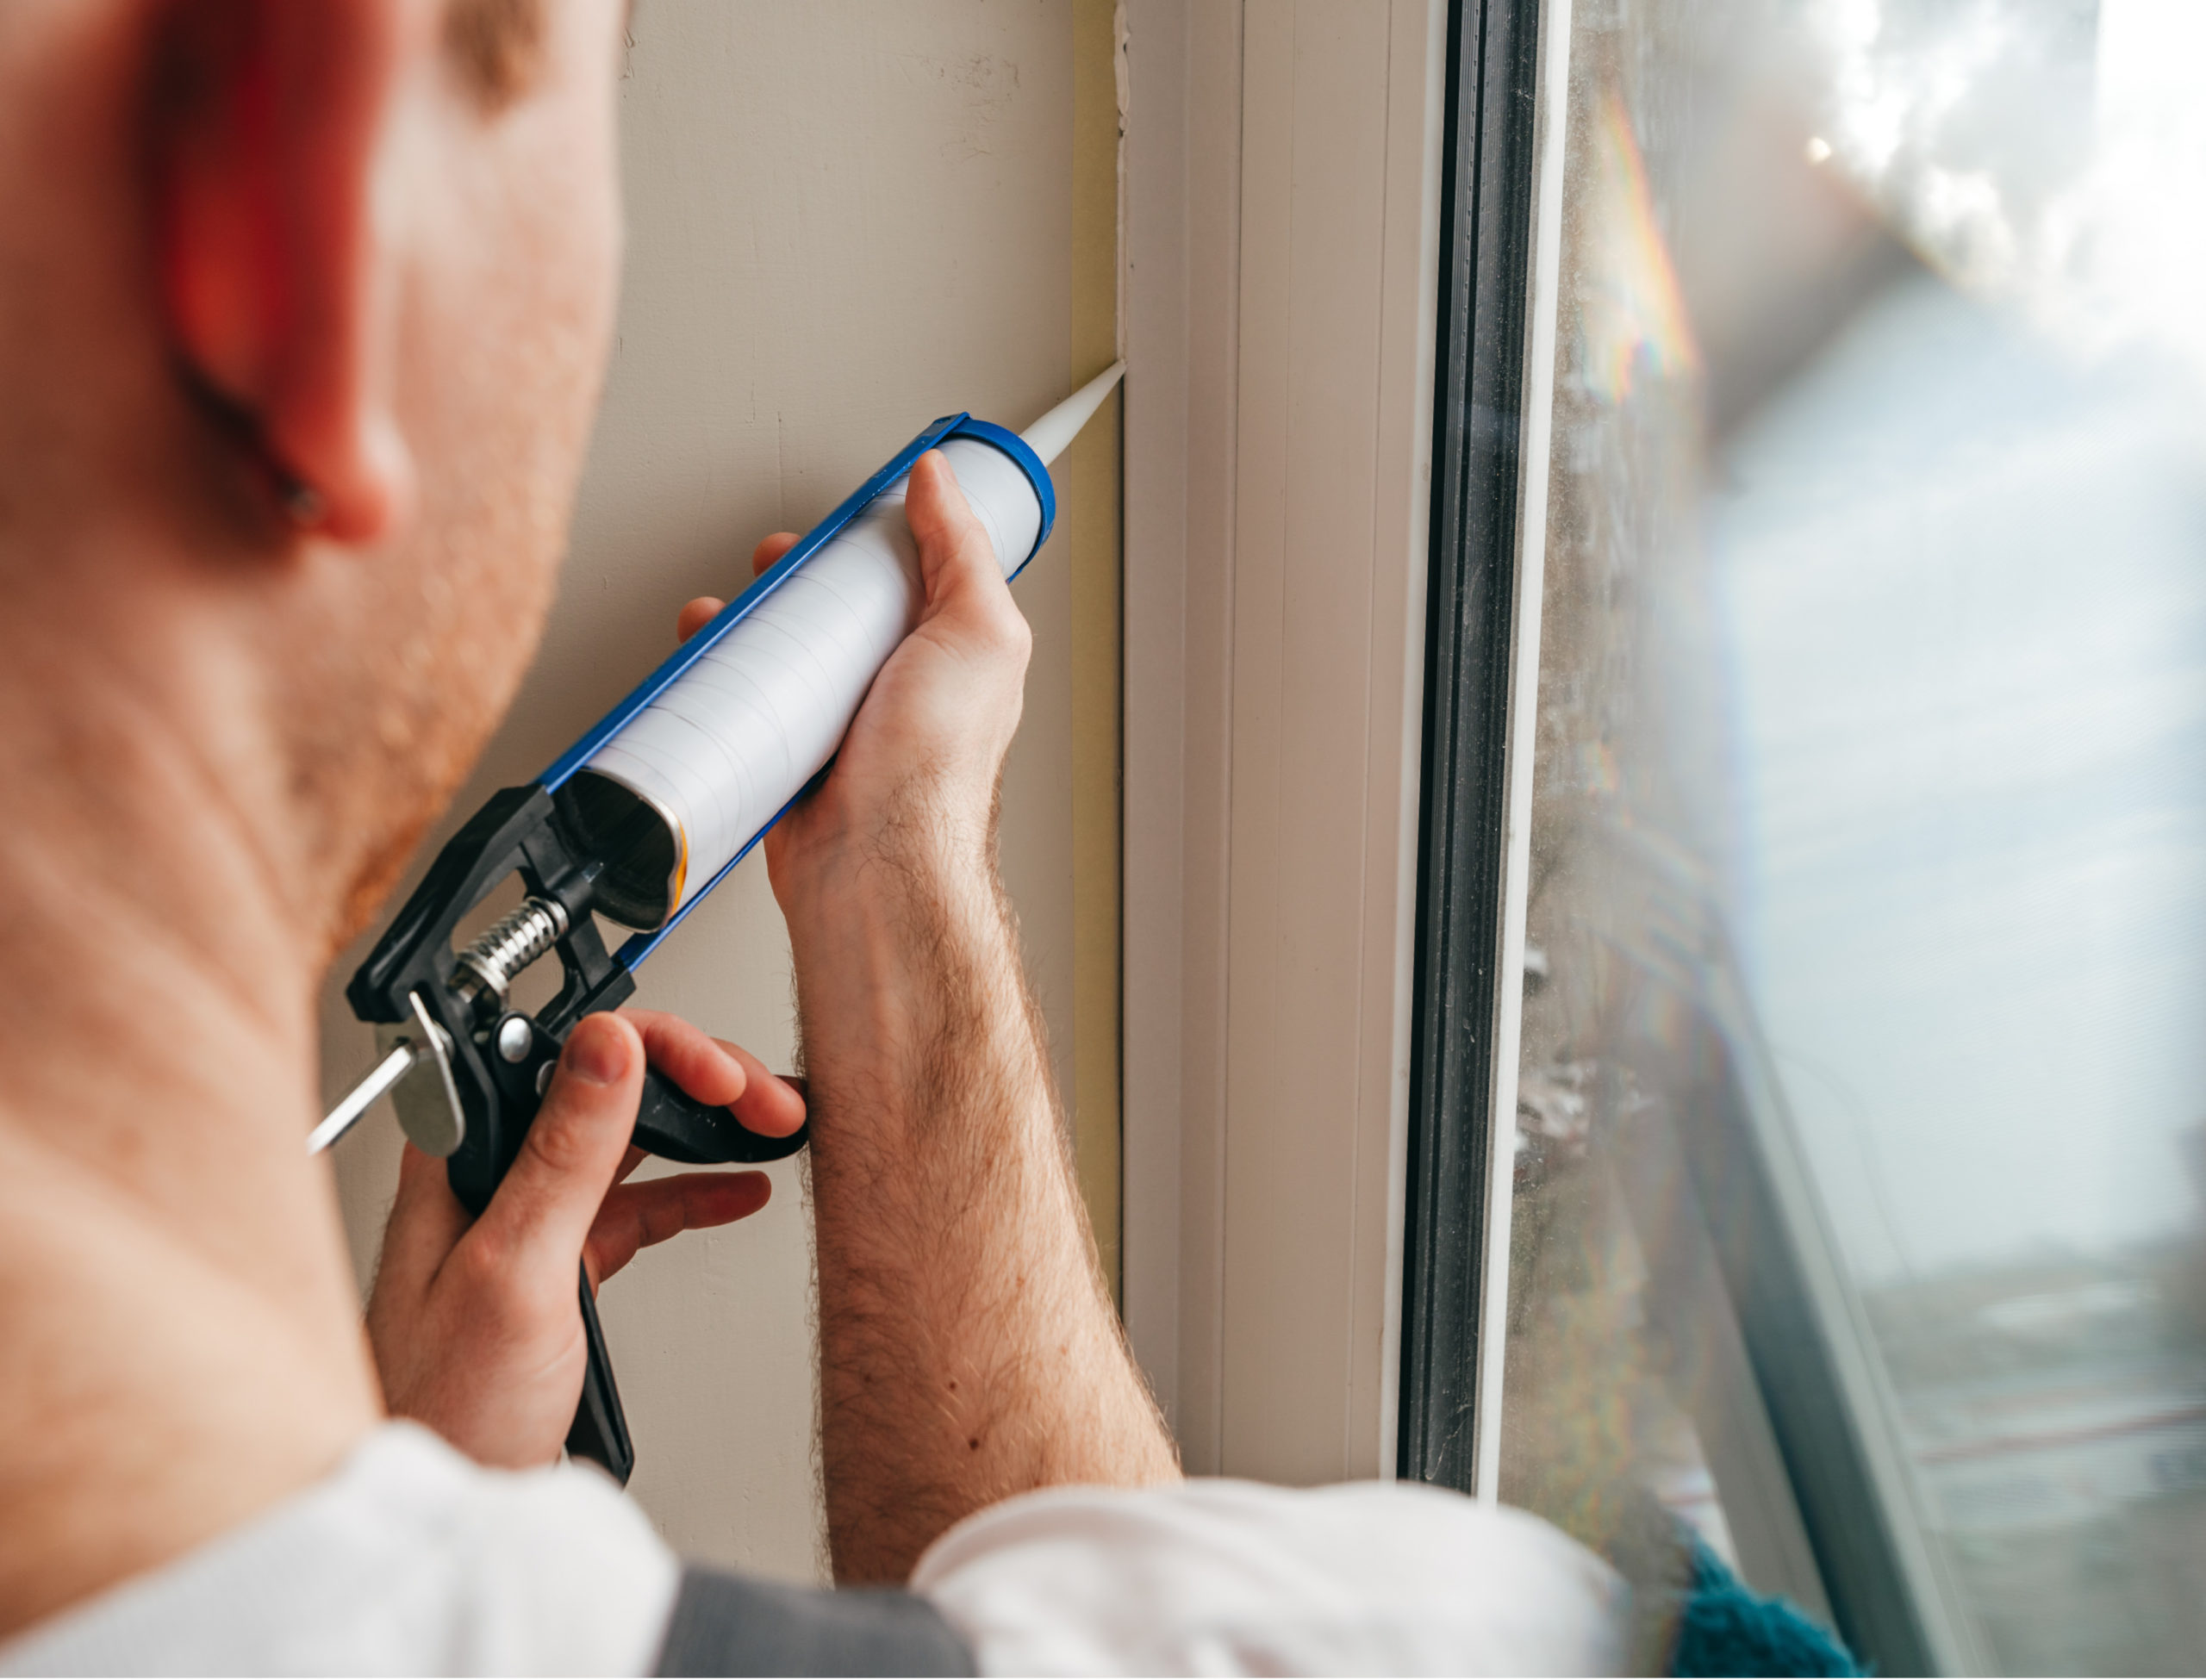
[1966, 592]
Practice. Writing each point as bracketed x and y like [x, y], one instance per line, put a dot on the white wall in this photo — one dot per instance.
[844, 219]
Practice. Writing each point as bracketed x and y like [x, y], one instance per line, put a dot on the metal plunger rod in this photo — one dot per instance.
[347, 1115]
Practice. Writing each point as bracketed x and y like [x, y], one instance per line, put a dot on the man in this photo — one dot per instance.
[303, 311]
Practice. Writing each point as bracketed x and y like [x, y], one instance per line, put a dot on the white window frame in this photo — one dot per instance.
[1283, 171]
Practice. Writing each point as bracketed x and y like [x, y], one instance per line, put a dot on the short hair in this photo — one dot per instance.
[497, 45]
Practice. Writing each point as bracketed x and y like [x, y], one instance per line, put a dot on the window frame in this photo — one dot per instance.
[1470, 916]
[1810, 1397]
[1279, 381]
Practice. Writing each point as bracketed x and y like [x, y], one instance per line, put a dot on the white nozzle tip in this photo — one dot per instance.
[1048, 435]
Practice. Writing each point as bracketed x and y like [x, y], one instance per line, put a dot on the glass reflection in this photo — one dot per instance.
[1861, 1129]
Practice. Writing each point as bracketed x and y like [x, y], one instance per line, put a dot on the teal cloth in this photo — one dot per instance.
[1725, 1629]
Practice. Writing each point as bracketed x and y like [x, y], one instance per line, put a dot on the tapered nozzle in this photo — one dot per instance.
[1048, 435]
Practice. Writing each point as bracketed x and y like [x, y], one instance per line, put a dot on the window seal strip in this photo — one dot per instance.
[1487, 241]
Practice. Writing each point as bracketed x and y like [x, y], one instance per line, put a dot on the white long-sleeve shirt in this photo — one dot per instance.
[412, 1560]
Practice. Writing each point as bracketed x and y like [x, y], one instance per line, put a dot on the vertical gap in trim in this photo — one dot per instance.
[1551, 116]
[1121, 100]
[1282, 578]
[1282, 582]
[1122, 88]
[1091, 476]
[1231, 490]
[1351, 1329]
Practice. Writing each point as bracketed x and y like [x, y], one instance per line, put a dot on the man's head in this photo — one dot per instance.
[303, 308]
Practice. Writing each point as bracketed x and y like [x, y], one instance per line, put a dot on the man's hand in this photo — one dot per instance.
[474, 1322]
[920, 762]
[969, 1350]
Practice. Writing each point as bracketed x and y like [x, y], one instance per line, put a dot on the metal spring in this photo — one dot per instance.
[486, 968]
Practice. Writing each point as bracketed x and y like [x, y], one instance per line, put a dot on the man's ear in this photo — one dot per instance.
[266, 122]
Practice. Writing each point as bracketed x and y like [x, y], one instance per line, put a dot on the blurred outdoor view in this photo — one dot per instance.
[1860, 1221]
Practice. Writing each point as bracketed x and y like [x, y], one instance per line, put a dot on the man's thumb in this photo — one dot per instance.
[954, 547]
[543, 1210]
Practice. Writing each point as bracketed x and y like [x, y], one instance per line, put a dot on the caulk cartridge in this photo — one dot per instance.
[645, 814]
[678, 782]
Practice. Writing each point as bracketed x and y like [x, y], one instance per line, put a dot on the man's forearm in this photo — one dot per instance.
[968, 1349]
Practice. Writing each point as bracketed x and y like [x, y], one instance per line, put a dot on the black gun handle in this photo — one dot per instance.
[599, 1431]
[675, 1126]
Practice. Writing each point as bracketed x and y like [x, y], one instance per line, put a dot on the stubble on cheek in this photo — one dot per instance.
[441, 693]
[506, 337]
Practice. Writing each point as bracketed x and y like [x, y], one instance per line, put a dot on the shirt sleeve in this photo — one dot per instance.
[730, 1625]
[1234, 1577]
[408, 1559]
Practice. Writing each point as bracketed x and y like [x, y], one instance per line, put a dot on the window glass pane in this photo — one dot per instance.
[1861, 1129]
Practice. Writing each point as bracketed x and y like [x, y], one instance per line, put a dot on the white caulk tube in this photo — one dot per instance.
[682, 787]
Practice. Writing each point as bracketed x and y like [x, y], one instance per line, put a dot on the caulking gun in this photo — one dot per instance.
[642, 817]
